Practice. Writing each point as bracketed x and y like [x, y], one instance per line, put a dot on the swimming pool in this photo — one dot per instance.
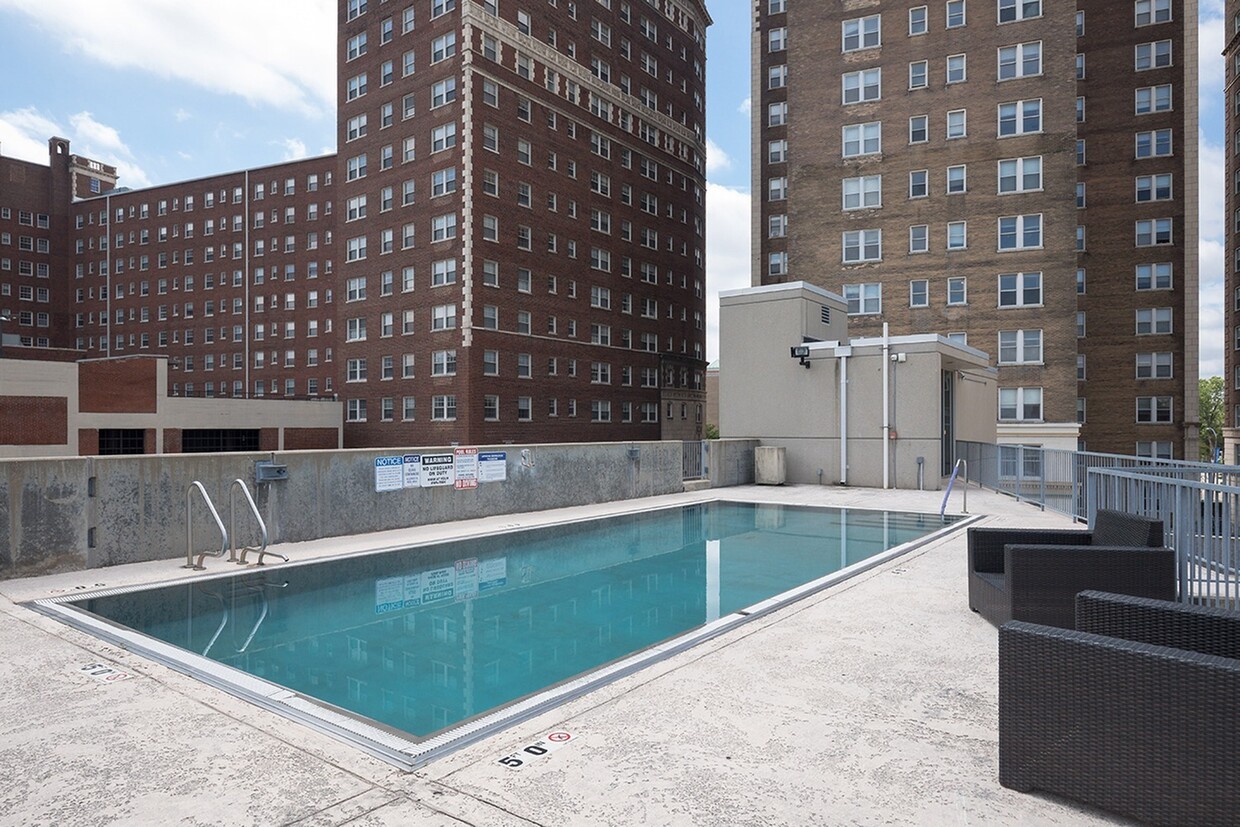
[411, 652]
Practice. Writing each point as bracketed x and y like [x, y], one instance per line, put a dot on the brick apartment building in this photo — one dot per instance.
[509, 244]
[1018, 174]
[1231, 271]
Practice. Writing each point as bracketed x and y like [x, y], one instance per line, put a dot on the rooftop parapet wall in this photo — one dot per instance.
[84, 513]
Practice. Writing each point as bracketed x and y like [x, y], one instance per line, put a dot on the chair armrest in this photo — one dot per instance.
[1129, 727]
[986, 544]
[1201, 629]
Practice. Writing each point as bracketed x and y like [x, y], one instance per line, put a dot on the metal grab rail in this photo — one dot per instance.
[964, 490]
[189, 528]
[261, 548]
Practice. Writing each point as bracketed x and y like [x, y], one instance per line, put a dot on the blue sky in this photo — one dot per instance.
[170, 90]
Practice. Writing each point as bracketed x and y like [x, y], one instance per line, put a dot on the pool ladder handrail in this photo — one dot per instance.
[261, 548]
[189, 528]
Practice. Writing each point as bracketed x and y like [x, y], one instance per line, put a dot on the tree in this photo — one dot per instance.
[712, 431]
[1210, 391]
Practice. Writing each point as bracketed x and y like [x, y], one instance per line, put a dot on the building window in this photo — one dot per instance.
[957, 179]
[956, 124]
[1153, 99]
[863, 245]
[918, 238]
[862, 33]
[1155, 276]
[1155, 450]
[862, 86]
[1156, 365]
[1020, 174]
[1020, 289]
[862, 139]
[777, 114]
[956, 68]
[918, 74]
[1156, 55]
[777, 40]
[1012, 10]
[1020, 404]
[864, 299]
[490, 408]
[955, 13]
[863, 192]
[919, 129]
[957, 291]
[1020, 117]
[957, 235]
[918, 184]
[1149, 12]
[1154, 409]
[1154, 144]
[919, 293]
[1153, 232]
[443, 408]
[917, 21]
[1020, 232]
[1020, 60]
[1153, 321]
[1020, 347]
[1154, 187]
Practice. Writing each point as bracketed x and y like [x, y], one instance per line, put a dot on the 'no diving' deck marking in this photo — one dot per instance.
[543, 746]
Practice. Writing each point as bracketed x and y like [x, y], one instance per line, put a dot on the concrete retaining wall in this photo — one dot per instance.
[80, 513]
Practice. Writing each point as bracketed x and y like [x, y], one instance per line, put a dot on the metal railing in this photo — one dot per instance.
[189, 528]
[693, 459]
[1201, 521]
[1056, 479]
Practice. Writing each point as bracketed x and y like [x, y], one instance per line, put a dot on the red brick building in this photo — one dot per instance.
[509, 245]
[1017, 174]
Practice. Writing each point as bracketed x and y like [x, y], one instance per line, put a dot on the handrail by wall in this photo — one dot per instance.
[261, 548]
[189, 528]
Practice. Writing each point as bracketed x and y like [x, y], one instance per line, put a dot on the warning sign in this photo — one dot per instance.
[466, 467]
[437, 469]
[438, 584]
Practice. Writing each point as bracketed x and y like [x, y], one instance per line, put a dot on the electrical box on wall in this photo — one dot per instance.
[268, 471]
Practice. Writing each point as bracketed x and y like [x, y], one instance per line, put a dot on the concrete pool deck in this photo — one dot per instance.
[873, 702]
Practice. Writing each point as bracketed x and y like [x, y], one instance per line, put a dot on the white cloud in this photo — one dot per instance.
[745, 107]
[716, 158]
[1210, 334]
[1211, 192]
[181, 115]
[727, 252]
[1212, 36]
[294, 149]
[24, 134]
[98, 135]
[276, 59]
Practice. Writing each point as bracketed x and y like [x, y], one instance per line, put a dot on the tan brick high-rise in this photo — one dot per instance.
[1019, 174]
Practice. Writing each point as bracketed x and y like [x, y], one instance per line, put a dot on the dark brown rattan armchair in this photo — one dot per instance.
[1134, 712]
[1035, 574]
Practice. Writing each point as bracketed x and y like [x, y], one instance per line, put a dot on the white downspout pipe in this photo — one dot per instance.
[844, 414]
[886, 410]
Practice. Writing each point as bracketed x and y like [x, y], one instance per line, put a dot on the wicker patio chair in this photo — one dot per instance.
[1035, 574]
[1135, 712]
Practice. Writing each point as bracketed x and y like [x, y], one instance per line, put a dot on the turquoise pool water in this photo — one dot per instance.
[422, 639]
